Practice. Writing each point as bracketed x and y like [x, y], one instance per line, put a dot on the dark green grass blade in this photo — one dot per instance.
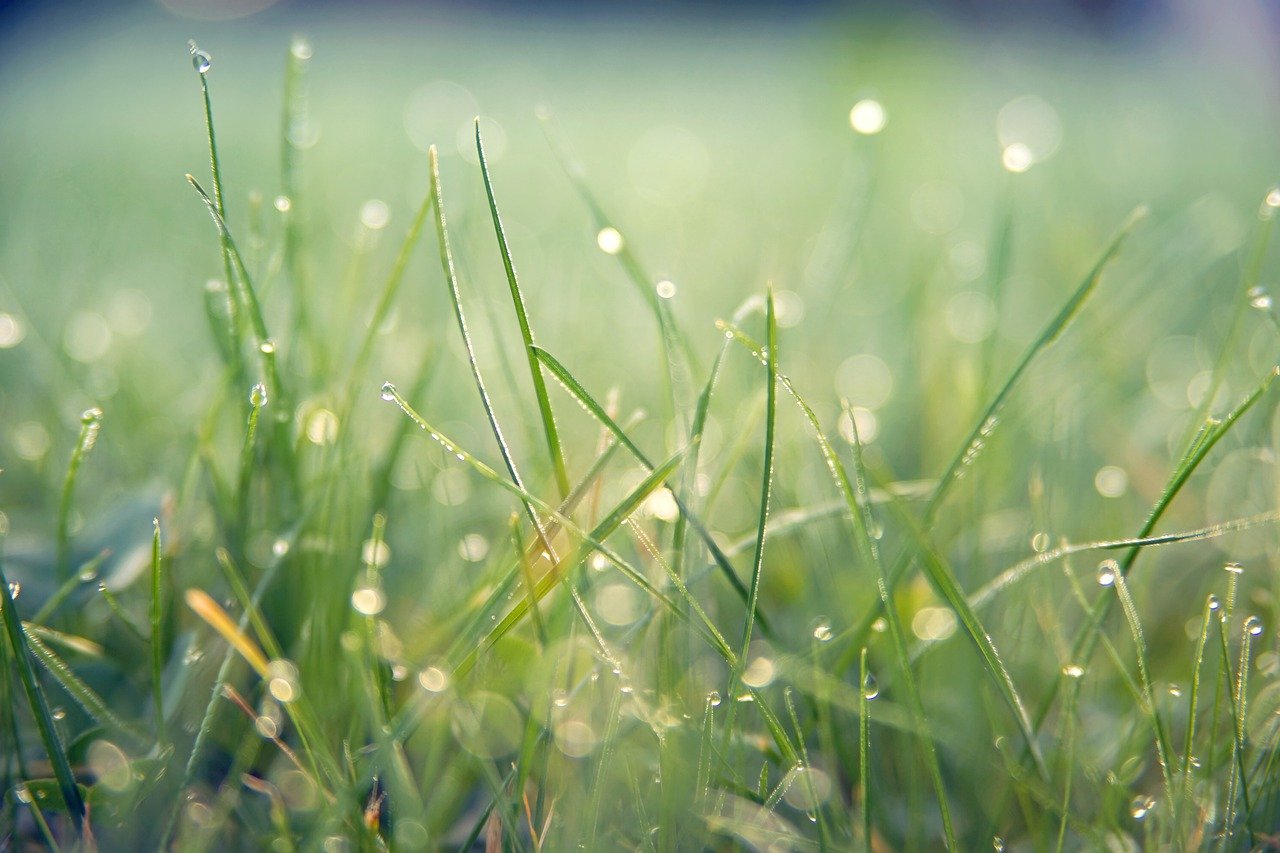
[526, 333]
[574, 387]
[39, 705]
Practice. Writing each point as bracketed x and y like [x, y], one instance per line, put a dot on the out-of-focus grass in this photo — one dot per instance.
[909, 271]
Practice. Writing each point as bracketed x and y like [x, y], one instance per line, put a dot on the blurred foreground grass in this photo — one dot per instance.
[910, 274]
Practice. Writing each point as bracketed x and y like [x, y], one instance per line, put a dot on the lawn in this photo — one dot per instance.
[795, 432]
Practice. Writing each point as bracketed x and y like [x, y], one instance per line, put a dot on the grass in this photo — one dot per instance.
[441, 563]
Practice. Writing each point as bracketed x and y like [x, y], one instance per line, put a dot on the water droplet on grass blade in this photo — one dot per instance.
[713, 698]
[301, 49]
[258, 396]
[1107, 571]
[822, 631]
[1214, 603]
[1260, 298]
[1253, 625]
[1233, 568]
[433, 679]
[368, 601]
[870, 689]
[200, 60]
[868, 117]
[1073, 670]
[1141, 806]
[388, 392]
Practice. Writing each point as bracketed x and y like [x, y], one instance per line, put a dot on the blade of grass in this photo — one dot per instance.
[451, 279]
[90, 426]
[39, 705]
[157, 636]
[82, 693]
[201, 61]
[526, 333]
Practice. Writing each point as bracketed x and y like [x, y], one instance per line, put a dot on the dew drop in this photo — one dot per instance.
[59, 713]
[1141, 806]
[1273, 198]
[368, 601]
[666, 288]
[1233, 568]
[560, 698]
[1259, 298]
[90, 417]
[267, 348]
[15, 589]
[1073, 670]
[1107, 571]
[997, 844]
[713, 698]
[258, 396]
[822, 631]
[283, 203]
[870, 689]
[1175, 691]
[388, 391]
[200, 60]
[610, 240]
[868, 117]
[433, 679]
[88, 573]
[301, 49]
[1214, 603]
[1017, 158]
[1253, 625]
[1040, 542]
[23, 793]
[283, 682]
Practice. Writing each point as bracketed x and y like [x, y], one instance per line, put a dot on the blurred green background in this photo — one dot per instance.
[719, 143]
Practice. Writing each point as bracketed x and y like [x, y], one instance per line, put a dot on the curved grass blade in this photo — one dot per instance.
[39, 705]
[526, 333]
[82, 693]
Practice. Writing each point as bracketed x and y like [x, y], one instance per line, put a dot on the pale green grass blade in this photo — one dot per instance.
[1184, 801]
[526, 333]
[770, 354]
[864, 752]
[1021, 570]
[386, 298]
[293, 120]
[1148, 702]
[39, 705]
[242, 285]
[90, 426]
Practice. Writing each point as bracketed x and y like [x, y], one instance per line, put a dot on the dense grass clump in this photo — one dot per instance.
[423, 575]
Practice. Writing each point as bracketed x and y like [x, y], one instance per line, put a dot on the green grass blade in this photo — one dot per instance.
[82, 693]
[157, 636]
[90, 426]
[864, 751]
[201, 61]
[39, 705]
[1163, 750]
[455, 298]
[526, 333]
